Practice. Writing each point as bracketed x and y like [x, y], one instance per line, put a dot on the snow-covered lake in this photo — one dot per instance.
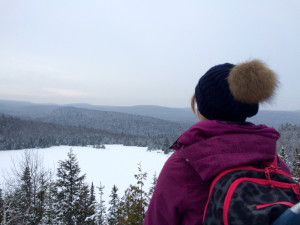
[114, 165]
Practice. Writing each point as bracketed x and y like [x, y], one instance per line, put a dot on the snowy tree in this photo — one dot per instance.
[91, 209]
[125, 207]
[25, 197]
[101, 209]
[135, 201]
[153, 184]
[50, 203]
[92, 200]
[99, 216]
[39, 196]
[166, 146]
[23, 201]
[69, 185]
[8, 210]
[91, 218]
[114, 210]
[1, 206]
[19, 200]
[83, 205]
[283, 155]
[30, 190]
[296, 165]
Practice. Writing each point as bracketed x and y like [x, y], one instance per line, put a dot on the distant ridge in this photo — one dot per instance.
[276, 118]
[115, 122]
[182, 116]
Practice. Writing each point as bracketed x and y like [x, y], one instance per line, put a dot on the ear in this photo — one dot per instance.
[201, 117]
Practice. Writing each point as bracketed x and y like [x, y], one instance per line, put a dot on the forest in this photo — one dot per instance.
[27, 125]
[33, 196]
[16, 133]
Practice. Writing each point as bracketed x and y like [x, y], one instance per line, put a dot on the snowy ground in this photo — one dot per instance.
[116, 164]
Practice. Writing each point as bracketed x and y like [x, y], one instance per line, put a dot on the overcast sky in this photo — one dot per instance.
[141, 52]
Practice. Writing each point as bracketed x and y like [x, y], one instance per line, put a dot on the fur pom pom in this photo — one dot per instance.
[252, 82]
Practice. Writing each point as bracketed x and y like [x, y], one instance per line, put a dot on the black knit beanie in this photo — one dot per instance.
[230, 92]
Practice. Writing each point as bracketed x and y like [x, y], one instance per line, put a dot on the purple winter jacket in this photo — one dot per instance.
[203, 151]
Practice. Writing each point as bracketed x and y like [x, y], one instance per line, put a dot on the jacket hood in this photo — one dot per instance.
[212, 146]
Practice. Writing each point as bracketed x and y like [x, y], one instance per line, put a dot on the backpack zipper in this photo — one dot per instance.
[274, 203]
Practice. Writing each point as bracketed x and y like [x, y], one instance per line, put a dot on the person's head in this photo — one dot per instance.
[230, 92]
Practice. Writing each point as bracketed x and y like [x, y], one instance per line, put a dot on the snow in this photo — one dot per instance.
[114, 165]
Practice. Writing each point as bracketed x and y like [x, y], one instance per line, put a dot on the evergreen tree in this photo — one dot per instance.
[283, 155]
[69, 183]
[296, 165]
[8, 210]
[114, 210]
[92, 200]
[23, 210]
[25, 192]
[26, 188]
[153, 184]
[166, 146]
[92, 205]
[135, 201]
[83, 205]
[39, 196]
[99, 216]
[1, 206]
[50, 204]
[18, 203]
[101, 210]
[92, 209]
[125, 206]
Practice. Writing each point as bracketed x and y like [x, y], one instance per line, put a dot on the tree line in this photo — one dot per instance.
[33, 196]
[18, 133]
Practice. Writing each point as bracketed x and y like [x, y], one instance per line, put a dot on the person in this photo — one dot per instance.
[224, 97]
[291, 216]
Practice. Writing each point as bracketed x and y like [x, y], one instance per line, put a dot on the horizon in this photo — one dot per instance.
[82, 103]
